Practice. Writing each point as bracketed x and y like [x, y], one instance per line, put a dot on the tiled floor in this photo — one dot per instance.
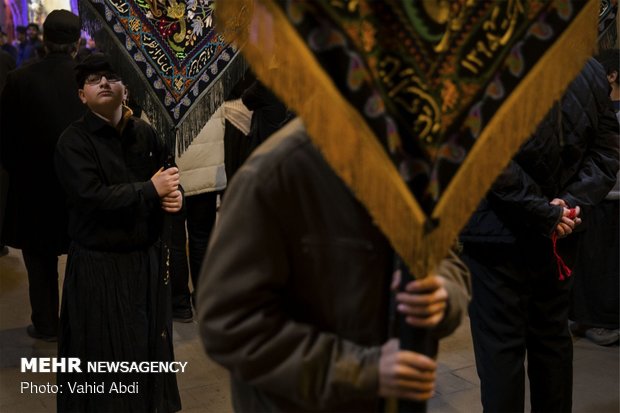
[204, 386]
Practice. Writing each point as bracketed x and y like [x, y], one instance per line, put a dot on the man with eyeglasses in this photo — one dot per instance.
[38, 102]
[116, 300]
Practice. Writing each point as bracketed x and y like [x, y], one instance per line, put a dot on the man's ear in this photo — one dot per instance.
[82, 96]
[613, 77]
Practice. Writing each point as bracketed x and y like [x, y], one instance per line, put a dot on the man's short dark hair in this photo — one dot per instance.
[68, 48]
[20, 29]
[610, 59]
[34, 25]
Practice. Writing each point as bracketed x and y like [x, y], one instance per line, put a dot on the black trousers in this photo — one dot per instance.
[42, 267]
[595, 298]
[201, 211]
[200, 215]
[179, 271]
[519, 308]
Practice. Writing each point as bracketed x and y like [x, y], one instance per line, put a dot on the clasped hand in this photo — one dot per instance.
[406, 374]
[166, 182]
[172, 202]
[423, 302]
[570, 218]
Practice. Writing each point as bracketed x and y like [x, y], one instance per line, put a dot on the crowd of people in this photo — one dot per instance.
[294, 284]
[27, 47]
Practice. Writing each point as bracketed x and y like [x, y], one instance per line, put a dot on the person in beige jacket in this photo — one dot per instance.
[202, 176]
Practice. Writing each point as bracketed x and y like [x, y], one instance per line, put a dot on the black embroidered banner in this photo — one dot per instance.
[417, 106]
[432, 73]
[177, 66]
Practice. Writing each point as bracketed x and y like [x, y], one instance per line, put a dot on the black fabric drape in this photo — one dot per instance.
[135, 326]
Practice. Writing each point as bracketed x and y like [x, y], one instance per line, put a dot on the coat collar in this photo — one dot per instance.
[95, 123]
[59, 56]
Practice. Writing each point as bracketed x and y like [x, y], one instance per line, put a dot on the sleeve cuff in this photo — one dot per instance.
[370, 377]
[456, 308]
[551, 230]
[570, 201]
[458, 285]
[150, 193]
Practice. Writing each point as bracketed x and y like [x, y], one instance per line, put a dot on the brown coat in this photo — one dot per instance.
[294, 293]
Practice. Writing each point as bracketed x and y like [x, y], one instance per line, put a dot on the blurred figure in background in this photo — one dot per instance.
[7, 63]
[30, 50]
[7, 46]
[87, 48]
[38, 102]
[595, 295]
[20, 38]
[268, 115]
[238, 120]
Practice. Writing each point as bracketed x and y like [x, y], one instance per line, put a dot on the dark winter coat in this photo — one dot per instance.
[269, 113]
[116, 297]
[113, 204]
[573, 155]
[38, 102]
[301, 308]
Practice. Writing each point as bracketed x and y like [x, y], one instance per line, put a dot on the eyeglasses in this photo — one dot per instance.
[95, 78]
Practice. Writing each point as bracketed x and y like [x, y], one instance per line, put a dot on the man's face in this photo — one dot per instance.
[21, 36]
[103, 92]
[32, 33]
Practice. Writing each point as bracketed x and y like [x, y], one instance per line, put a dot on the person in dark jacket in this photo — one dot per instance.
[269, 114]
[294, 293]
[30, 50]
[116, 295]
[7, 46]
[237, 143]
[38, 102]
[20, 37]
[518, 242]
[595, 296]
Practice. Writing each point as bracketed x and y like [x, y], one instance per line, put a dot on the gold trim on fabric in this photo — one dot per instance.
[283, 62]
[512, 125]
